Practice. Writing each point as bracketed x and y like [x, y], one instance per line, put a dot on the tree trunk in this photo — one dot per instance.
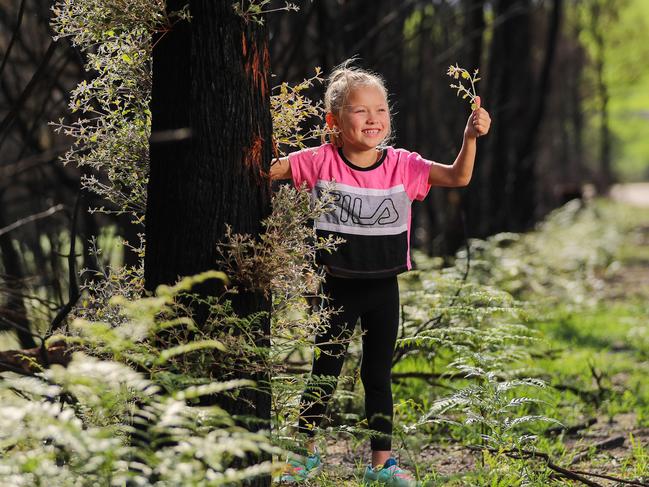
[577, 112]
[13, 315]
[210, 76]
[605, 178]
[474, 26]
[509, 82]
[524, 194]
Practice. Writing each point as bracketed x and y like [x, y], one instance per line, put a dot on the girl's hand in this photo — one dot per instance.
[478, 123]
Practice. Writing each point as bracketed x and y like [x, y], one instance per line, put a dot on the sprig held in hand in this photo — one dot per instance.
[469, 92]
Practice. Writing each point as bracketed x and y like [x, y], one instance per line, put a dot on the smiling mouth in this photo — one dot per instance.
[371, 131]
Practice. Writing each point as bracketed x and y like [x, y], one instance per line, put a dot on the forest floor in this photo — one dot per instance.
[598, 346]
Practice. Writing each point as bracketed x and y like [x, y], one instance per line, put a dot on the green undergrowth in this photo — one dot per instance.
[574, 285]
[526, 335]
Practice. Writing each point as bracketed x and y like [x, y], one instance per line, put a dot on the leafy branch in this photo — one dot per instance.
[460, 74]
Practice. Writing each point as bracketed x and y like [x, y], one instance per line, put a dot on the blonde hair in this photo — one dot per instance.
[340, 83]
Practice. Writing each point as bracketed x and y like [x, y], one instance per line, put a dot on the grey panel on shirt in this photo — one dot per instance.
[362, 211]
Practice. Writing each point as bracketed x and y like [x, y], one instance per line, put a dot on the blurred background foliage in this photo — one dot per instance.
[566, 83]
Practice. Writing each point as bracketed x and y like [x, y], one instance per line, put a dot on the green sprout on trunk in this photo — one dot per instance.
[460, 74]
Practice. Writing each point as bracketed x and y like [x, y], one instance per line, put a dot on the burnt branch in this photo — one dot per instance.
[30, 361]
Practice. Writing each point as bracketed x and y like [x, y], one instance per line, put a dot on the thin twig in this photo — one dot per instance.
[9, 118]
[30, 361]
[527, 454]
[14, 36]
[31, 218]
[571, 474]
[555, 430]
[13, 169]
[607, 444]
[615, 479]
[17, 326]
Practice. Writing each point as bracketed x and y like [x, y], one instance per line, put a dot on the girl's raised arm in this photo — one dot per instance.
[280, 169]
[459, 174]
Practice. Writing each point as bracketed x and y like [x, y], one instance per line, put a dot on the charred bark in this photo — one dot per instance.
[210, 76]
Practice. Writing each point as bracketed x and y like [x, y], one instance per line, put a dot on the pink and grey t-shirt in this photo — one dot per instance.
[371, 207]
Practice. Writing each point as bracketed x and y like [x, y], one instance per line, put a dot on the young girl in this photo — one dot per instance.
[374, 188]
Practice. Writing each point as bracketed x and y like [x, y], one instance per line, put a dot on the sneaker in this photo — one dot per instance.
[389, 474]
[299, 469]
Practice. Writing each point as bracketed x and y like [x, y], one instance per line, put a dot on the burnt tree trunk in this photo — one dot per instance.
[210, 76]
[13, 315]
[525, 189]
[507, 93]
[516, 98]
[457, 200]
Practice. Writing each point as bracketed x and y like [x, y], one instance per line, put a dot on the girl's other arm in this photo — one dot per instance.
[459, 173]
[280, 169]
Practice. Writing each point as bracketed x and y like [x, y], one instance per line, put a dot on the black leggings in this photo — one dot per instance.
[376, 303]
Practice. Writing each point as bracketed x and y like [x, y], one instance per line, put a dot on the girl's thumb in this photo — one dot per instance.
[477, 102]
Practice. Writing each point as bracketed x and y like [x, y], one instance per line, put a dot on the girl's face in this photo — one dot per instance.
[364, 121]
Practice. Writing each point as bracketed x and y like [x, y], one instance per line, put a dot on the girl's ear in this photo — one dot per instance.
[334, 130]
[331, 120]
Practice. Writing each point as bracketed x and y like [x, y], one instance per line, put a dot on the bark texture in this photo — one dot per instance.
[210, 76]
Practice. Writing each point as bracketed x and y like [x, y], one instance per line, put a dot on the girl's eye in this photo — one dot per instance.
[359, 110]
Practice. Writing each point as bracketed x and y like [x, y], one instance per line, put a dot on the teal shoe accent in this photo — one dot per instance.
[389, 474]
[298, 468]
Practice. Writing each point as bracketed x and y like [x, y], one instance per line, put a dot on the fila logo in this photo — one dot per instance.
[385, 214]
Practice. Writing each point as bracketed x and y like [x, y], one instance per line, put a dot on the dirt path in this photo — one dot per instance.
[636, 194]
[633, 278]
